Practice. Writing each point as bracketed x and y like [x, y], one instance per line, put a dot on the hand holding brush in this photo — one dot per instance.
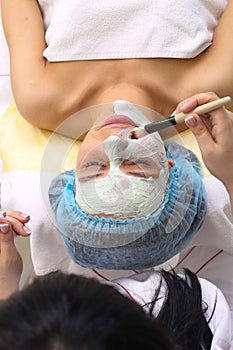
[177, 118]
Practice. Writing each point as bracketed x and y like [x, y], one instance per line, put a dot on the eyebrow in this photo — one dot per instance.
[92, 163]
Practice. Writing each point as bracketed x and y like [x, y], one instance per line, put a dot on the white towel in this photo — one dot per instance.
[20, 190]
[86, 29]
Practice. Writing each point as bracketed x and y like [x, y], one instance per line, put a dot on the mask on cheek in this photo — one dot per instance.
[124, 195]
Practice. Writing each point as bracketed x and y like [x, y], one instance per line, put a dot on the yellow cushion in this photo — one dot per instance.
[22, 145]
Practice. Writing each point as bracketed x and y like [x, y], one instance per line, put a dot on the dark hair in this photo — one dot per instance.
[183, 311]
[69, 312]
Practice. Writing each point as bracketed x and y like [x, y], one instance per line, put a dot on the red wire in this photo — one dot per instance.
[105, 278]
[187, 254]
[127, 292]
[213, 257]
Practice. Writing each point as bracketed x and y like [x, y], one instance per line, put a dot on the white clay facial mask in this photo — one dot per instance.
[129, 179]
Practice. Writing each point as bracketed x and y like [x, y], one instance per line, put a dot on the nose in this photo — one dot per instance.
[114, 146]
[116, 141]
[125, 133]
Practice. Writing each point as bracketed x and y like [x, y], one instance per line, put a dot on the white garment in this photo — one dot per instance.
[141, 288]
[217, 229]
[89, 30]
[20, 190]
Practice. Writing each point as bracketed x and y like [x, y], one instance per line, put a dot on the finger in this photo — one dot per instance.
[6, 234]
[220, 124]
[5, 227]
[17, 215]
[201, 132]
[19, 228]
[8, 250]
[190, 103]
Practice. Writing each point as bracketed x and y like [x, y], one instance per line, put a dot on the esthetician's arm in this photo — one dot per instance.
[214, 134]
[11, 265]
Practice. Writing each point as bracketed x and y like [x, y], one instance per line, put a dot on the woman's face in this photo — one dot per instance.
[120, 177]
[93, 161]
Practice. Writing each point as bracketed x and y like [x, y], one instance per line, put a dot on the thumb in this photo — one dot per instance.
[6, 234]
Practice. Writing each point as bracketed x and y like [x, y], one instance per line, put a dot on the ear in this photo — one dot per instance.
[170, 163]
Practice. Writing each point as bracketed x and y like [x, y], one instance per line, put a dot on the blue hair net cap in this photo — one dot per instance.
[137, 243]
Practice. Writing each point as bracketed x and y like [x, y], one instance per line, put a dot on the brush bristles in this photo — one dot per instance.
[137, 133]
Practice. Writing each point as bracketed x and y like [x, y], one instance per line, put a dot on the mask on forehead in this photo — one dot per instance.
[124, 195]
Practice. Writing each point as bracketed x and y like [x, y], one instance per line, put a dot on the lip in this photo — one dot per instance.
[117, 119]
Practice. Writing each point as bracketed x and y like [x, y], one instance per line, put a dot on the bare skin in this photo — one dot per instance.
[47, 93]
[11, 264]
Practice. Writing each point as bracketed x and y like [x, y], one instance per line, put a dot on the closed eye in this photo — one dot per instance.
[136, 162]
[142, 167]
[88, 178]
[91, 170]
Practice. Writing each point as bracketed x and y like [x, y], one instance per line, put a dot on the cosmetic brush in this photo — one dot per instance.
[177, 118]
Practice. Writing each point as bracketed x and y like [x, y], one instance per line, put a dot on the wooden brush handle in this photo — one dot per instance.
[207, 107]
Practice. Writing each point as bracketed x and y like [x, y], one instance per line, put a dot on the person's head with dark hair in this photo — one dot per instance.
[69, 312]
